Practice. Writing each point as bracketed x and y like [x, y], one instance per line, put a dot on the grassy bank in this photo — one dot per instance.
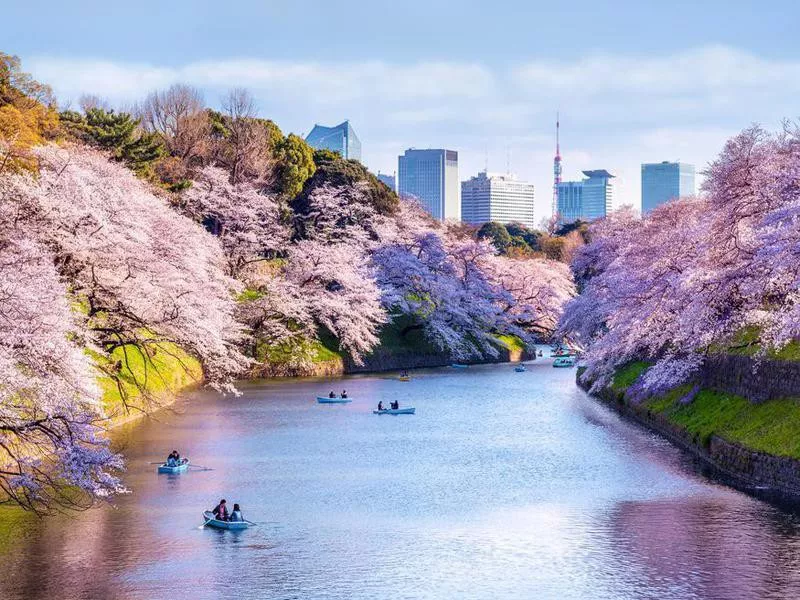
[144, 381]
[772, 427]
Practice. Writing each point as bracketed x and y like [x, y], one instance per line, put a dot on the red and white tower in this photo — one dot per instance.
[556, 170]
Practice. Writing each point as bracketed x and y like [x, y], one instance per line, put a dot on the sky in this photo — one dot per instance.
[633, 81]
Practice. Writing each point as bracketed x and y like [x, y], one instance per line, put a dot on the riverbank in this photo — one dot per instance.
[399, 349]
[749, 442]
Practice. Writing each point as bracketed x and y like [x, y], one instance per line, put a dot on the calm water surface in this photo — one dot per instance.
[503, 485]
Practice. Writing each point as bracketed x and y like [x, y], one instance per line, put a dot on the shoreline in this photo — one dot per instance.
[768, 477]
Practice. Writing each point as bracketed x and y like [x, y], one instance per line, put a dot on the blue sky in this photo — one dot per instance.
[634, 81]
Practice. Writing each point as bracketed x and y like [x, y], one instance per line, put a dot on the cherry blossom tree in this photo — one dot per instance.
[696, 272]
[143, 273]
[336, 285]
[51, 440]
[247, 222]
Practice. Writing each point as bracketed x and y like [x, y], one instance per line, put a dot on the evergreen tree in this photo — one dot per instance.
[119, 133]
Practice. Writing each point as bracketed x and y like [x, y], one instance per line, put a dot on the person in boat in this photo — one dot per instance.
[380, 405]
[332, 394]
[221, 511]
[172, 461]
[236, 515]
[395, 405]
[344, 393]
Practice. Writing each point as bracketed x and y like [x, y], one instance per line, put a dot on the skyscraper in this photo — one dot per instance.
[388, 180]
[665, 181]
[496, 197]
[590, 198]
[341, 139]
[431, 176]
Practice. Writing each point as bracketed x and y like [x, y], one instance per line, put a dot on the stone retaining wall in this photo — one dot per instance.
[758, 380]
[774, 478]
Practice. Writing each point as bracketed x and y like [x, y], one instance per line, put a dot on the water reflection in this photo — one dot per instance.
[504, 485]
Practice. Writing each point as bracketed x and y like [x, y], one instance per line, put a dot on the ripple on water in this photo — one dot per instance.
[503, 485]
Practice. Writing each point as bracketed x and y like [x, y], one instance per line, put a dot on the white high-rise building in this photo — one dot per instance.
[497, 197]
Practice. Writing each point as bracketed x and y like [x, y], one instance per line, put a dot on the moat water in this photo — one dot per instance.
[502, 485]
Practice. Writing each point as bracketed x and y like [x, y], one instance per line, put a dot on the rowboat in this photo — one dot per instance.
[404, 378]
[564, 361]
[395, 411]
[459, 366]
[184, 466]
[209, 519]
[520, 369]
[323, 400]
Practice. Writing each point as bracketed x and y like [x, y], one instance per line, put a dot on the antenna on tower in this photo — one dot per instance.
[556, 167]
[508, 159]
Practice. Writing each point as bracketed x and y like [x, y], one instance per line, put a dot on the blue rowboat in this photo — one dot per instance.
[209, 519]
[564, 361]
[395, 411]
[520, 369]
[404, 378]
[184, 466]
[459, 366]
[323, 400]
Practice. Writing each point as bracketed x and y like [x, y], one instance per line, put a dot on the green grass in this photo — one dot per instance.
[511, 343]
[747, 342]
[163, 373]
[625, 377]
[315, 351]
[14, 523]
[772, 427]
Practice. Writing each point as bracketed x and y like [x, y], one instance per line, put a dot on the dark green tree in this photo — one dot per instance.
[332, 169]
[117, 132]
[295, 165]
[497, 234]
[531, 237]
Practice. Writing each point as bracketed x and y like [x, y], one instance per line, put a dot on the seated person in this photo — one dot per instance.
[221, 511]
[236, 515]
[395, 405]
[331, 395]
[380, 405]
[344, 393]
[171, 460]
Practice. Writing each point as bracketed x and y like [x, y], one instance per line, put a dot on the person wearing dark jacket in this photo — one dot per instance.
[221, 511]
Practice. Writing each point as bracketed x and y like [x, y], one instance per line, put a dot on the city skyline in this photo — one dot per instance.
[626, 93]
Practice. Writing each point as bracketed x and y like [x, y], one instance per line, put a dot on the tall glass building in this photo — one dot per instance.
[665, 181]
[497, 197]
[590, 198]
[388, 180]
[431, 176]
[341, 139]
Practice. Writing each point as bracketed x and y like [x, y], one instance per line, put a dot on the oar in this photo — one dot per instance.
[200, 467]
[206, 523]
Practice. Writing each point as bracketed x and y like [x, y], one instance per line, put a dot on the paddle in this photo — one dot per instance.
[200, 467]
[206, 523]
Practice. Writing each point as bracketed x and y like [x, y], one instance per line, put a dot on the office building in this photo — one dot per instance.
[665, 181]
[388, 180]
[590, 198]
[431, 177]
[497, 197]
[341, 139]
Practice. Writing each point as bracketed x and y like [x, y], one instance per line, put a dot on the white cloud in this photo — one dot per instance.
[617, 110]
